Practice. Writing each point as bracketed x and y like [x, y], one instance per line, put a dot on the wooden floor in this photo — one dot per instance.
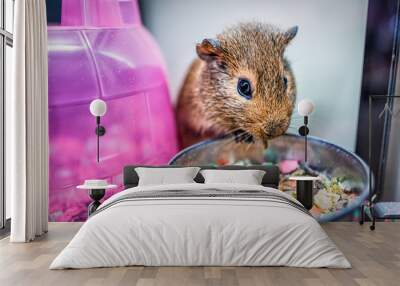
[375, 257]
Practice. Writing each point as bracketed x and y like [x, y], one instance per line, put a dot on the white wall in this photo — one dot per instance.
[327, 54]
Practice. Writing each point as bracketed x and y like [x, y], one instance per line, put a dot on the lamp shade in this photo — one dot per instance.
[305, 107]
[98, 107]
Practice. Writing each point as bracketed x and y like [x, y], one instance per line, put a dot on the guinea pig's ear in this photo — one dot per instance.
[209, 49]
[290, 34]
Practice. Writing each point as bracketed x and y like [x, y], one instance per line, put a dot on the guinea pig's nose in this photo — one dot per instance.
[273, 127]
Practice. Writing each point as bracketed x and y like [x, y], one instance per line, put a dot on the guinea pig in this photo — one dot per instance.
[240, 84]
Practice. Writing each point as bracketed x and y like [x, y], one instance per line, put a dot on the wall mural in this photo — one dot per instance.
[228, 111]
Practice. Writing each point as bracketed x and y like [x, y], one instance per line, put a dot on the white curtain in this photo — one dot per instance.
[27, 124]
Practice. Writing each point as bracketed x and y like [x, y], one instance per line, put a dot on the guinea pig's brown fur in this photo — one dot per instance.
[209, 103]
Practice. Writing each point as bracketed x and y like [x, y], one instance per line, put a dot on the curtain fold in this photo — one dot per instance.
[27, 124]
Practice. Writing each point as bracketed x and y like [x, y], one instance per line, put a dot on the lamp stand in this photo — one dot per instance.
[100, 131]
[96, 195]
[303, 131]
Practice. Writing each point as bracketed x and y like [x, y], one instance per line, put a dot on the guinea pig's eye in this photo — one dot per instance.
[244, 88]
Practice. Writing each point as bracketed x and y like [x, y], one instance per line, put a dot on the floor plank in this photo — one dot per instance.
[375, 257]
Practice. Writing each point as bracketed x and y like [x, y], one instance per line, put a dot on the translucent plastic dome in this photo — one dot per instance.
[101, 50]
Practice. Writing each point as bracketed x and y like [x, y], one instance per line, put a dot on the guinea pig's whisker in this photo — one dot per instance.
[231, 136]
[248, 136]
[235, 138]
[248, 146]
[232, 131]
[230, 139]
[296, 113]
[242, 137]
[245, 136]
[297, 117]
[229, 142]
[297, 120]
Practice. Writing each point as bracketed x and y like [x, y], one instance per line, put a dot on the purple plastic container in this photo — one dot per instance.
[101, 50]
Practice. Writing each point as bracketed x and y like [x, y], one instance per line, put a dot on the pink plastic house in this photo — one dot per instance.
[101, 50]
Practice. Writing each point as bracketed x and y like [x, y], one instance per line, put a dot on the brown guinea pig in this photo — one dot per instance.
[241, 84]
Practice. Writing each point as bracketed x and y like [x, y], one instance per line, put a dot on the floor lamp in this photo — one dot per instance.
[305, 108]
[98, 108]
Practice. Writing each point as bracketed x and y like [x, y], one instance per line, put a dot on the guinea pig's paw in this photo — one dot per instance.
[242, 136]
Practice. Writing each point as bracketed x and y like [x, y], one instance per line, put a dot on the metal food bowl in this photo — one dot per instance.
[323, 157]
